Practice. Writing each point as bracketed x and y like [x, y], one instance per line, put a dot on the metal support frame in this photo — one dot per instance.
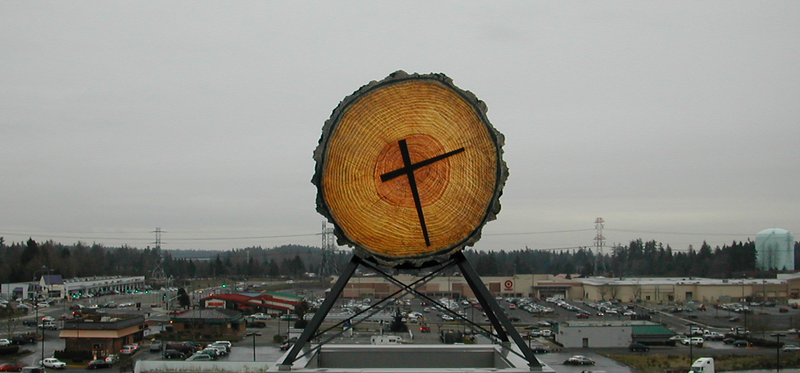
[321, 313]
[502, 325]
[496, 316]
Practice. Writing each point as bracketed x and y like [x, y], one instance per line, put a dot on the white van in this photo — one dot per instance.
[386, 340]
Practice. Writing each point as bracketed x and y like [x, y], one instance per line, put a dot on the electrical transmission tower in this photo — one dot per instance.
[599, 242]
[328, 265]
[158, 275]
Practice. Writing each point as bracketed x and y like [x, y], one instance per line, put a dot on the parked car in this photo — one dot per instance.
[532, 334]
[200, 357]
[113, 359]
[211, 352]
[50, 325]
[579, 360]
[694, 341]
[156, 346]
[97, 364]
[4, 342]
[638, 347]
[52, 362]
[127, 350]
[10, 367]
[173, 354]
[790, 348]
[261, 316]
[227, 344]
[539, 349]
[728, 341]
[221, 349]
[741, 343]
[184, 348]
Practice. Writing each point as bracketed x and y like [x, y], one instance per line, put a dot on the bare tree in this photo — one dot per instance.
[603, 290]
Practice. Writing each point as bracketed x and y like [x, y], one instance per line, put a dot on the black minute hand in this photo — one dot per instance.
[408, 170]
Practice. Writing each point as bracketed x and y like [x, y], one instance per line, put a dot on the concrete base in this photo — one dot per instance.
[335, 358]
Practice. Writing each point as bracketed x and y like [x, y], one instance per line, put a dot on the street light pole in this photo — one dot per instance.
[778, 350]
[254, 335]
[39, 322]
[691, 345]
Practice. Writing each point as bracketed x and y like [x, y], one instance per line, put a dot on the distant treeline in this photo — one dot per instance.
[637, 259]
[25, 260]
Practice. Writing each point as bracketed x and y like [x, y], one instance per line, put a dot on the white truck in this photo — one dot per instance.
[50, 325]
[703, 365]
[712, 336]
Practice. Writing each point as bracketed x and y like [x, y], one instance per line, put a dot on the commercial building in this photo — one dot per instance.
[268, 302]
[102, 334]
[609, 334]
[535, 286]
[209, 323]
[56, 287]
[653, 290]
[684, 289]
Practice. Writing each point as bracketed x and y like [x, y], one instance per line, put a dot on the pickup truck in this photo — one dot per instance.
[24, 338]
[50, 325]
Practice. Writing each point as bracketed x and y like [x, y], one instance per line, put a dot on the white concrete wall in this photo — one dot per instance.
[145, 366]
[598, 336]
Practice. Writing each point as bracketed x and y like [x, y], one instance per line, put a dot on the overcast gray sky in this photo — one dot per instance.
[674, 121]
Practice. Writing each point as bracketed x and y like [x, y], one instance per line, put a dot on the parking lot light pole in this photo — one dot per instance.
[691, 345]
[36, 306]
[778, 350]
[254, 335]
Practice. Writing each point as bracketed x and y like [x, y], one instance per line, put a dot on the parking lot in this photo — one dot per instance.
[531, 317]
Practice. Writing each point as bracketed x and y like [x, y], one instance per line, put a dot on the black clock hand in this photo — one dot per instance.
[412, 181]
[408, 170]
[401, 171]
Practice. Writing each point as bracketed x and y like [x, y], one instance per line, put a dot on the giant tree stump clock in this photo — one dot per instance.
[409, 169]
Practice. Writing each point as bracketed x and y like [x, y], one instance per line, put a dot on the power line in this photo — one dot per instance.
[149, 240]
[247, 238]
[541, 232]
[680, 233]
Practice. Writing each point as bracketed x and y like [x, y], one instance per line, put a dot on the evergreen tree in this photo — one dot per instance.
[183, 298]
[272, 269]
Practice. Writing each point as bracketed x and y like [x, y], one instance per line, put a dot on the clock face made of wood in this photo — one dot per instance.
[409, 169]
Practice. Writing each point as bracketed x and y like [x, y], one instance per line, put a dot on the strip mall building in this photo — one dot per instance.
[650, 290]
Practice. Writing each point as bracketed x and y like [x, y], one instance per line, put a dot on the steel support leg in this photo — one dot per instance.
[496, 316]
[323, 311]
